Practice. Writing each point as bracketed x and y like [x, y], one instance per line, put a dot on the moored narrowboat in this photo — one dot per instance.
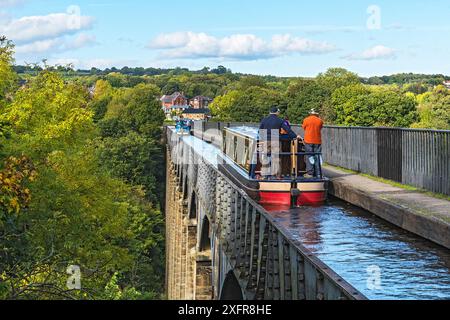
[245, 160]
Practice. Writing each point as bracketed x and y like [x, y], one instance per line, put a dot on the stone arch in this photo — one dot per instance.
[180, 179]
[205, 239]
[185, 189]
[204, 287]
[193, 207]
[231, 290]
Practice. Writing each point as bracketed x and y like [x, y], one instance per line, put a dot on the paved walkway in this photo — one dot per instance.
[414, 211]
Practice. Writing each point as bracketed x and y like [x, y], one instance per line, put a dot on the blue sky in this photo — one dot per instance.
[284, 37]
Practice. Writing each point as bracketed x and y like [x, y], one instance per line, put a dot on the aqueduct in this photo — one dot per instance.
[223, 245]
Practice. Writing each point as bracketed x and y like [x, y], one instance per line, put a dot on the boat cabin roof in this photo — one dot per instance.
[250, 132]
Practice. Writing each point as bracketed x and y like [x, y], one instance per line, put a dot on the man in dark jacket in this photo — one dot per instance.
[270, 134]
[274, 122]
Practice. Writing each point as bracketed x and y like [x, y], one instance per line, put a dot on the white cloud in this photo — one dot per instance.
[10, 3]
[375, 53]
[37, 28]
[39, 46]
[57, 45]
[64, 61]
[48, 34]
[97, 63]
[237, 46]
[81, 40]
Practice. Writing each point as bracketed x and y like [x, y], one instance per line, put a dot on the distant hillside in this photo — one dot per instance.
[139, 71]
[399, 79]
[408, 78]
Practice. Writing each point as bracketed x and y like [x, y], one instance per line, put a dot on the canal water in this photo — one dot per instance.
[377, 258]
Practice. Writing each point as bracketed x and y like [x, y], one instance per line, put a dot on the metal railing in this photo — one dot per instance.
[416, 157]
[420, 158]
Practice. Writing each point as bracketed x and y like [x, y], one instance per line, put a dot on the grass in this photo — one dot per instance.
[396, 184]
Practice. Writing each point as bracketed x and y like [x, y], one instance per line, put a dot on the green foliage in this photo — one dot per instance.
[61, 205]
[304, 95]
[48, 115]
[131, 132]
[409, 78]
[210, 85]
[416, 88]
[118, 80]
[329, 82]
[137, 159]
[335, 78]
[248, 105]
[8, 77]
[14, 177]
[359, 105]
[434, 109]
[338, 94]
[136, 109]
[251, 81]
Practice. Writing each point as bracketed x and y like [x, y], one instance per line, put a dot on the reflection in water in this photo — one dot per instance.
[352, 241]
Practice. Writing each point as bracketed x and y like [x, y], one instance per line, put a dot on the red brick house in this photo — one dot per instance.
[447, 84]
[196, 114]
[174, 103]
[200, 102]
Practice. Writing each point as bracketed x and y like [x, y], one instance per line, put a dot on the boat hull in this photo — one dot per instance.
[312, 192]
[285, 198]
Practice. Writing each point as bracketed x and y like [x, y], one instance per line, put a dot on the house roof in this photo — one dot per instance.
[177, 94]
[180, 107]
[166, 98]
[196, 111]
[202, 98]
[170, 98]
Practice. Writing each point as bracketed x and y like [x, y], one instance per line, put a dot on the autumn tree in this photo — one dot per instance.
[62, 206]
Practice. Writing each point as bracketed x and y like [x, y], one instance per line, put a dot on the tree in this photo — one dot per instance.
[220, 70]
[360, 105]
[434, 109]
[330, 81]
[136, 159]
[49, 114]
[416, 88]
[171, 87]
[248, 105]
[251, 81]
[222, 106]
[303, 95]
[131, 132]
[335, 78]
[103, 93]
[8, 77]
[61, 206]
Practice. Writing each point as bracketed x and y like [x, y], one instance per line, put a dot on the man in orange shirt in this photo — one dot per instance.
[313, 143]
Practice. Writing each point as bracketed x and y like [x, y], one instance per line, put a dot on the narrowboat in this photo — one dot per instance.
[182, 127]
[243, 162]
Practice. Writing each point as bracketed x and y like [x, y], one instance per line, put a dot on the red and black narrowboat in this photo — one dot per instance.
[241, 161]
